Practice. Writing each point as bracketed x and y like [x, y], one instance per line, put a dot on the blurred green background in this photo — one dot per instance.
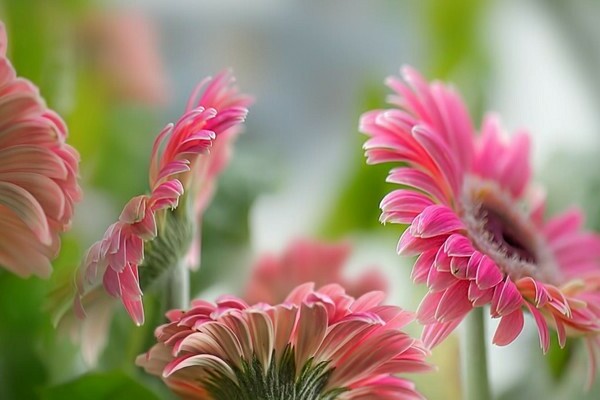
[118, 71]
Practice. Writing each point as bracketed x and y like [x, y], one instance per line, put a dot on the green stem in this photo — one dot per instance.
[476, 385]
[179, 287]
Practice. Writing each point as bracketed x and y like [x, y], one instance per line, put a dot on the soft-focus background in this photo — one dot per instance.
[118, 71]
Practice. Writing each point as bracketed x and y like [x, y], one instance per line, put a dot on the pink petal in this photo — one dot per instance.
[443, 157]
[560, 330]
[410, 245]
[488, 273]
[479, 297]
[458, 245]
[457, 123]
[509, 328]
[515, 167]
[27, 208]
[173, 168]
[299, 293]
[310, 331]
[427, 309]
[529, 287]
[47, 192]
[490, 147]
[130, 286]
[203, 360]
[439, 280]
[542, 327]
[507, 299]
[458, 266]
[473, 265]
[402, 206]
[563, 224]
[368, 301]
[454, 303]
[435, 220]
[112, 283]
[419, 180]
[436, 333]
[135, 210]
[135, 309]
[442, 260]
[422, 266]
[261, 335]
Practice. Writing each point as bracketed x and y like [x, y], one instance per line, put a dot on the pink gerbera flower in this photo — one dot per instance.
[319, 344]
[155, 230]
[38, 175]
[305, 260]
[122, 47]
[476, 223]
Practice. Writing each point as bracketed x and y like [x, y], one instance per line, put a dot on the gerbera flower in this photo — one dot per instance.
[306, 260]
[476, 223]
[319, 344]
[122, 48]
[38, 175]
[155, 230]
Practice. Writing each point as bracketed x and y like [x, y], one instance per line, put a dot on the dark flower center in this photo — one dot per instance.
[499, 228]
[507, 236]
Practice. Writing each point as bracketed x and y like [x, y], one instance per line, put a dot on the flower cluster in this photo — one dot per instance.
[471, 214]
[476, 222]
[38, 175]
[122, 50]
[317, 344]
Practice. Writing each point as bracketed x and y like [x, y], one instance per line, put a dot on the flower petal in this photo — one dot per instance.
[509, 328]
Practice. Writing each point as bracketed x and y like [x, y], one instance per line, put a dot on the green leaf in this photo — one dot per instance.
[97, 386]
[558, 359]
[357, 206]
[225, 231]
[21, 363]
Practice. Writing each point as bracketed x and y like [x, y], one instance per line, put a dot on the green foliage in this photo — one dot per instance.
[357, 206]
[113, 385]
[455, 48]
[22, 367]
[453, 32]
[558, 359]
[124, 150]
[28, 49]
[226, 225]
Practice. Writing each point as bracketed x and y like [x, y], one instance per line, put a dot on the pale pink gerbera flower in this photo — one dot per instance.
[319, 344]
[307, 260]
[476, 223]
[38, 175]
[155, 230]
[122, 47]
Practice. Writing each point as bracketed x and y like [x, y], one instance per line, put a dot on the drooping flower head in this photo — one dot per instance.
[476, 222]
[307, 260]
[38, 175]
[318, 344]
[220, 94]
[155, 230]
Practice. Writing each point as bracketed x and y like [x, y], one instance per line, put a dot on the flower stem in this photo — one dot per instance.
[474, 361]
[179, 287]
